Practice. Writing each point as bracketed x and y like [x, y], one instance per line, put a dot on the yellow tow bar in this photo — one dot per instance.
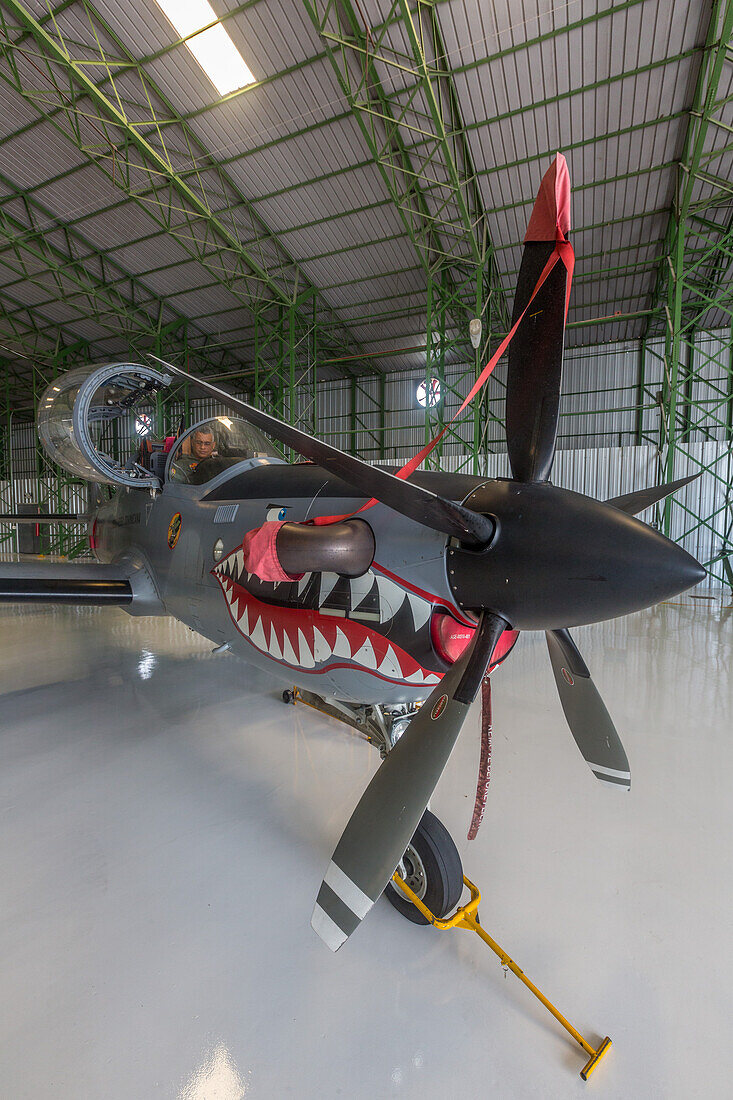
[466, 916]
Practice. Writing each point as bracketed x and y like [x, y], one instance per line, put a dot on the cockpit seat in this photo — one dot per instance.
[158, 460]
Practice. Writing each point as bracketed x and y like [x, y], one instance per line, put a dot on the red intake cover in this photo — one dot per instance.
[260, 553]
[449, 637]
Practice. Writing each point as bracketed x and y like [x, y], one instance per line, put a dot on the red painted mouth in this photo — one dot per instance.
[307, 639]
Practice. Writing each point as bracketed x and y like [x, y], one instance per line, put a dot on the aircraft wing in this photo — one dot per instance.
[65, 582]
[52, 518]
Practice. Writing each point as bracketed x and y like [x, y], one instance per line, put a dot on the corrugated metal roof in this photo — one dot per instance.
[521, 97]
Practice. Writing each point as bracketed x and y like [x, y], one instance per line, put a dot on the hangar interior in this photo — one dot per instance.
[318, 237]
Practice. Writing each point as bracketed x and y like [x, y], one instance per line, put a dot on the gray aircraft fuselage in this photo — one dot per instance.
[558, 559]
[364, 639]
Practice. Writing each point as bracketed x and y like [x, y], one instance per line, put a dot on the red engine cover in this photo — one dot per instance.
[450, 639]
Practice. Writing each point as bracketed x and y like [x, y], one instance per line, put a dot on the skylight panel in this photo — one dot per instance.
[213, 48]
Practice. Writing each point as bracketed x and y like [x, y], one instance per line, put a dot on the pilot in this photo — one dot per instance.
[202, 446]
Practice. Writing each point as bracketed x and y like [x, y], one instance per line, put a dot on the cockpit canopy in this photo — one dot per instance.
[214, 445]
[99, 422]
[89, 416]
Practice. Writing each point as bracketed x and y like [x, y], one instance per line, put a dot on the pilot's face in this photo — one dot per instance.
[202, 444]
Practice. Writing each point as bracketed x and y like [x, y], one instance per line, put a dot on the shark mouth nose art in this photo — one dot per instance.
[325, 621]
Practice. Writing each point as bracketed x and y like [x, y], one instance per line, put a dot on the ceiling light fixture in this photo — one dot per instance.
[213, 48]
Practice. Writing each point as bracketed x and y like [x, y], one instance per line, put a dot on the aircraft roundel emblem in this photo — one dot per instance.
[174, 530]
[439, 707]
[566, 676]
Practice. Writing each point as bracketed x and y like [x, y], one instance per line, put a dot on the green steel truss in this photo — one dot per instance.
[96, 292]
[400, 89]
[694, 304]
[122, 123]
[119, 121]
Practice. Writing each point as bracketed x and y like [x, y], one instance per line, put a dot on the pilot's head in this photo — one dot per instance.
[202, 443]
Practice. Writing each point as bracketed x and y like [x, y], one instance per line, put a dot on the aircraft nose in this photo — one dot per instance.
[562, 560]
[679, 569]
[646, 566]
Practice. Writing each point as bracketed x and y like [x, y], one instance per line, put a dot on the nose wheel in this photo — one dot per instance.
[431, 867]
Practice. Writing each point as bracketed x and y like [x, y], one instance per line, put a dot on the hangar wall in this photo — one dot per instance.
[609, 399]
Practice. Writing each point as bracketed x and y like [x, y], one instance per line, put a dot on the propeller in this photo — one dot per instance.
[532, 409]
[586, 714]
[494, 577]
[391, 807]
[535, 354]
[403, 496]
[633, 503]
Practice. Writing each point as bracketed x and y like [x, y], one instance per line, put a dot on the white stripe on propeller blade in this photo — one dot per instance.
[327, 929]
[348, 891]
[609, 771]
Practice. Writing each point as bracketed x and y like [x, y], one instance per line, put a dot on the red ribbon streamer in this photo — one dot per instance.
[563, 251]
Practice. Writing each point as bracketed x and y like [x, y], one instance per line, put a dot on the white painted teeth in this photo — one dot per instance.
[236, 565]
[306, 659]
[391, 598]
[386, 602]
[365, 656]
[299, 650]
[274, 647]
[342, 647]
[420, 610]
[390, 666]
[328, 583]
[321, 648]
[257, 637]
[288, 651]
[360, 589]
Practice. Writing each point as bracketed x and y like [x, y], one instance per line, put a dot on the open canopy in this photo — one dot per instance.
[91, 414]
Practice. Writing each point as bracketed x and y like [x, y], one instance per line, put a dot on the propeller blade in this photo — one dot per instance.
[633, 503]
[390, 809]
[589, 721]
[404, 496]
[535, 354]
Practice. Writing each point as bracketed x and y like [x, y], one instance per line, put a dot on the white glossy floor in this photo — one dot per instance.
[166, 821]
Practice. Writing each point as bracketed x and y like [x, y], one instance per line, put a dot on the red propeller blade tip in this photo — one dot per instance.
[552, 205]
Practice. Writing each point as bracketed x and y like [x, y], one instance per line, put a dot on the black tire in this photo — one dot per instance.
[288, 696]
[441, 862]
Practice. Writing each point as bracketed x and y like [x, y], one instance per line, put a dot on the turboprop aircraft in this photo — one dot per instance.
[375, 592]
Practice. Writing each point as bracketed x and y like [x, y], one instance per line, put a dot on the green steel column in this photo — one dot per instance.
[729, 403]
[435, 415]
[640, 384]
[382, 417]
[352, 416]
[689, 380]
[672, 358]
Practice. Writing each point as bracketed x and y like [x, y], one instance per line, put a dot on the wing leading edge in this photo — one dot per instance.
[64, 582]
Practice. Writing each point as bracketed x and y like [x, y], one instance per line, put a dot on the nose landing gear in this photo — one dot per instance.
[431, 864]
[431, 867]
[428, 883]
